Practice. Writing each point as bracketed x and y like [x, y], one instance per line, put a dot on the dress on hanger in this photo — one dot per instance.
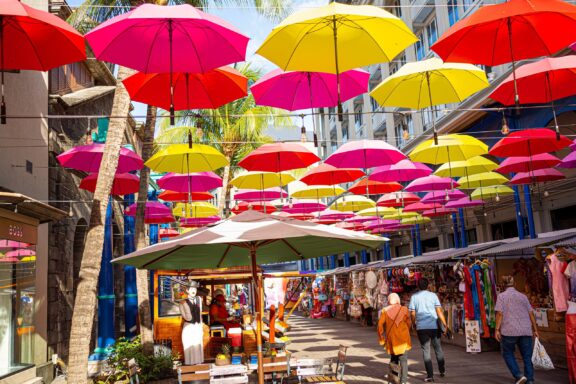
[559, 283]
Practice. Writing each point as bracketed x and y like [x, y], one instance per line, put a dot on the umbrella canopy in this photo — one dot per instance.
[528, 163]
[353, 203]
[167, 233]
[195, 209]
[428, 83]
[380, 224]
[278, 157]
[360, 219]
[326, 174]
[529, 142]
[12, 259]
[399, 214]
[260, 195]
[193, 182]
[184, 196]
[259, 206]
[186, 158]
[443, 211]
[537, 176]
[420, 207]
[304, 90]
[375, 212]
[404, 170]
[515, 30]
[573, 145]
[12, 244]
[123, 184]
[154, 212]
[350, 226]
[208, 90]
[480, 180]
[364, 154]
[160, 39]
[303, 206]
[569, 161]
[415, 220]
[331, 214]
[87, 158]
[398, 199]
[443, 196]
[318, 191]
[295, 216]
[431, 183]
[20, 253]
[453, 147]
[197, 222]
[490, 192]
[261, 180]
[371, 187]
[472, 166]
[464, 203]
[335, 38]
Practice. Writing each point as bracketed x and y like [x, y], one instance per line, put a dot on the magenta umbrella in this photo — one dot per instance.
[443, 197]
[87, 158]
[381, 223]
[404, 170]
[360, 219]
[123, 184]
[569, 161]
[527, 163]
[464, 203]
[538, 176]
[154, 213]
[193, 182]
[438, 212]
[431, 183]
[419, 207]
[365, 154]
[9, 260]
[195, 222]
[268, 194]
[303, 206]
[305, 90]
[332, 214]
[573, 145]
[11, 244]
[21, 253]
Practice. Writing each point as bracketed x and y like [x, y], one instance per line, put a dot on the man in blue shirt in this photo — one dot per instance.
[425, 309]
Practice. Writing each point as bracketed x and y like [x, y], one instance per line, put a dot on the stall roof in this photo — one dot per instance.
[452, 253]
[526, 247]
[399, 262]
[571, 242]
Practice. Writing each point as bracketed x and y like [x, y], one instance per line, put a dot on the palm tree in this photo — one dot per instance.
[235, 129]
[87, 16]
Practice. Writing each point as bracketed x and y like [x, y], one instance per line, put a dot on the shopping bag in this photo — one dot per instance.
[540, 358]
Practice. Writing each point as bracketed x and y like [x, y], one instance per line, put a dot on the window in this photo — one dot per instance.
[396, 9]
[404, 130]
[504, 230]
[403, 250]
[430, 245]
[420, 51]
[344, 131]
[431, 33]
[563, 218]
[453, 16]
[358, 120]
[467, 4]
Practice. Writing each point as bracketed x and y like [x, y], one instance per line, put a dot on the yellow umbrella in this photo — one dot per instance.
[481, 180]
[318, 191]
[198, 209]
[261, 180]
[352, 203]
[186, 158]
[472, 166]
[28, 259]
[416, 220]
[453, 147]
[376, 211]
[492, 191]
[399, 214]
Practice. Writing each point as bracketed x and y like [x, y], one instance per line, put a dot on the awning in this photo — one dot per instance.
[399, 262]
[452, 253]
[30, 207]
[526, 247]
[571, 242]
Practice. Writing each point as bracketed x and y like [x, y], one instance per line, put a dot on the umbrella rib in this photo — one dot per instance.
[219, 265]
[162, 256]
[150, 51]
[296, 252]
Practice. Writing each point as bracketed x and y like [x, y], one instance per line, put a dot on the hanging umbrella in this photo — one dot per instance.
[428, 83]
[278, 157]
[318, 191]
[398, 199]
[464, 203]
[259, 206]
[380, 224]
[324, 221]
[331, 214]
[257, 195]
[303, 206]
[431, 183]
[11, 244]
[537, 176]
[28, 259]
[573, 145]
[569, 161]
[376, 212]
[295, 216]
[196, 209]
[20, 253]
[326, 174]
[208, 90]
[480, 180]
[197, 222]
[443, 211]
[472, 166]
[123, 184]
[193, 182]
[443, 197]
[306, 90]
[184, 196]
[404, 170]
[160, 39]
[420, 207]
[528, 163]
[360, 219]
[364, 154]
[399, 214]
[9, 260]
[371, 187]
[453, 147]
[167, 233]
[416, 220]
[261, 180]
[350, 226]
[187, 158]
[87, 158]
[490, 192]
[154, 213]
[32, 39]
[529, 142]
[352, 203]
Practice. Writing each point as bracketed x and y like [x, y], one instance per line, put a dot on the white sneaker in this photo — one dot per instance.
[521, 380]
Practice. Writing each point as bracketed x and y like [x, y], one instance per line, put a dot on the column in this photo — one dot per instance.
[519, 218]
[130, 291]
[346, 259]
[463, 239]
[529, 213]
[418, 240]
[321, 263]
[333, 261]
[455, 224]
[364, 256]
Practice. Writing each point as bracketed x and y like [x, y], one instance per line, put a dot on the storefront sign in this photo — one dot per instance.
[472, 330]
[18, 231]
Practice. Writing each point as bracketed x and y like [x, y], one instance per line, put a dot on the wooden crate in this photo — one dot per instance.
[194, 372]
[249, 342]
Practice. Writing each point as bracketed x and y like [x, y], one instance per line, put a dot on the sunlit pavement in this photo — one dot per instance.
[367, 362]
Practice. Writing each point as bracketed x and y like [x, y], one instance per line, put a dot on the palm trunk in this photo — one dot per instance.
[226, 186]
[146, 334]
[86, 300]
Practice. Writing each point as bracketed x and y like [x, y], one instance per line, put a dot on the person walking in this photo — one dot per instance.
[515, 326]
[426, 311]
[394, 333]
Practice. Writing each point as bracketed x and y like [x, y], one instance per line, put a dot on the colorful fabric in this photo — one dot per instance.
[469, 307]
[515, 309]
[560, 289]
[489, 295]
[477, 274]
[570, 273]
[571, 346]
[424, 303]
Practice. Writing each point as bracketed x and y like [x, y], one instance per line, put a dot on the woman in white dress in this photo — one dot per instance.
[192, 331]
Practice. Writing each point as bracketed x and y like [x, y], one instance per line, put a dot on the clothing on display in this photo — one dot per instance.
[560, 289]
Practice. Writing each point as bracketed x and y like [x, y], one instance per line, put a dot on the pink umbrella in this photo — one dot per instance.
[397, 199]
[305, 90]
[87, 158]
[154, 213]
[404, 170]
[419, 207]
[538, 176]
[360, 219]
[381, 223]
[438, 212]
[569, 161]
[527, 163]
[196, 222]
[166, 233]
[260, 195]
[431, 183]
[260, 206]
[324, 221]
[9, 244]
[124, 183]
[443, 196]
[9, 260]
[295, 216]
[464, 203]
[350, 226]
[21, 253]
[390, 228]
[303, 206]
[193, 182]
[365, 154]
[331, 214]
[573, 145]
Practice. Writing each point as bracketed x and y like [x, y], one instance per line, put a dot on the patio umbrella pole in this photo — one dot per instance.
[258, 307]
[171, 76]
[433, 109]
[3, 103]
[556, 127]
[516, 96]
[340, 111]
[315, 138]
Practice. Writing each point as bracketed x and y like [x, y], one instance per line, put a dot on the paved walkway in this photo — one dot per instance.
[367, 362]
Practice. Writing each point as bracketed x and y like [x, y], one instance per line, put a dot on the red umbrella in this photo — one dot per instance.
[350, 226]
[439, 212]
[166, 233]
[33, 39]
[278, 157]
[529, 142]
[124, 183]
[267, 194]
[371, 187]
[397, 199]
[259, 206]
[538, 176]
[528, 163]
[365, 154]
[208, 90]
[419, 207]
[87, 158]
[183, 196]
[326, 174]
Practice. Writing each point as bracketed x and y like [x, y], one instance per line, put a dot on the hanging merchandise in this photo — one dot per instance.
[571, 341]
[473, 336]
[559, 285]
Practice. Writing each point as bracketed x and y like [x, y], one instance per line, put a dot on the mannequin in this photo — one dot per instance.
[192, 331]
